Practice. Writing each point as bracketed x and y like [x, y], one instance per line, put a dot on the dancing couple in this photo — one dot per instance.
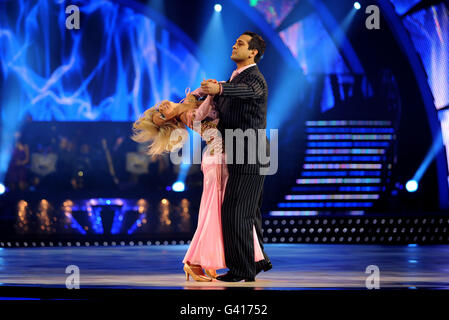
[229, 231]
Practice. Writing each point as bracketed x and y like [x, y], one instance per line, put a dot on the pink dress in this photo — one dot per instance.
[206, 248]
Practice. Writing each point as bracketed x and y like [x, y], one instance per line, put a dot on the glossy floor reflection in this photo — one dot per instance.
[296, 266]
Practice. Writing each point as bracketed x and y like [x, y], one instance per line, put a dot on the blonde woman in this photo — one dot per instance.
[206, 250]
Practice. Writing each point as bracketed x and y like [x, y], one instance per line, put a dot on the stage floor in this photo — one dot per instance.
[296, 266]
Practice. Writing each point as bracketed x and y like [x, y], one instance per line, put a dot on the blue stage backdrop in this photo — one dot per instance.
[345, 147]
[113, 68]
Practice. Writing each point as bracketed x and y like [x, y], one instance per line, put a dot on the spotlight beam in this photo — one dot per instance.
[431, 155]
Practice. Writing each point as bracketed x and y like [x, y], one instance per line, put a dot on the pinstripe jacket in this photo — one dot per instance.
[243, 105]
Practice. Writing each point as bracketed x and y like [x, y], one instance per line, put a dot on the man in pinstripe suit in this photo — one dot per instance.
[242, 106]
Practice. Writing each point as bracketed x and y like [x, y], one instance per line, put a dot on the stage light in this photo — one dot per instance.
[218, 7]
[411, 185]
[178, 186]
[357, 5]
[2, 188]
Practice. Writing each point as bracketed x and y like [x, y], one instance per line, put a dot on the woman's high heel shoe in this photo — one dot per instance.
[211, 273]
[197, 277]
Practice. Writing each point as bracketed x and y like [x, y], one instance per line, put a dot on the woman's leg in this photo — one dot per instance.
[206, 248]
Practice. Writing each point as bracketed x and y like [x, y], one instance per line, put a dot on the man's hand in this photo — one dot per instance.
[210, 86]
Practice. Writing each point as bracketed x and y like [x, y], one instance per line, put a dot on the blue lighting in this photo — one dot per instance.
[95, 219]
[350, 130]
[340, 173]
[347, 144]
[371, 188]
[218, 7]
[137, 224]
[320, 188]
[357, 5]
[412, 185]
[437, 145]
[117, 222]
[2, 188]
[61, 86]
[324, 204]
[413, 261]
[412, 245]
[344, 158]
[18, 298]
[178, 186]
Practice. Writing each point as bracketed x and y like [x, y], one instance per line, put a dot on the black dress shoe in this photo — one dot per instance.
[265, 267]
[230, 277]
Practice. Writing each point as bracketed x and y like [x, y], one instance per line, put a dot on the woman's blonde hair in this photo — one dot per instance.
[145, 130]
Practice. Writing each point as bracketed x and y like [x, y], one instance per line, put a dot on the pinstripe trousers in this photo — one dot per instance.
[240, 212]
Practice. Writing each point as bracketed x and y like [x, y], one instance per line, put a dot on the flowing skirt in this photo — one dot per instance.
[206, 248]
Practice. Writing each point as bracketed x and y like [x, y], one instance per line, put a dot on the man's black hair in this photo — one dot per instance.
[256, 42]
